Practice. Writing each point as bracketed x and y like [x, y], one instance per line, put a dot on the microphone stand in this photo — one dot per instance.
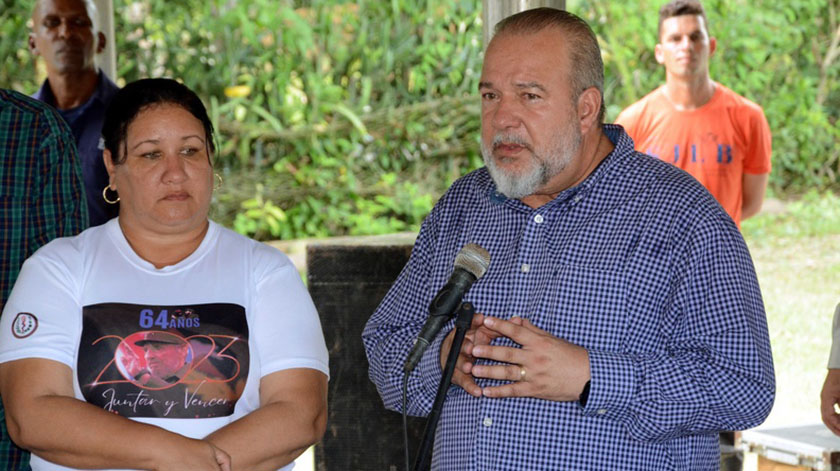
[462, 324]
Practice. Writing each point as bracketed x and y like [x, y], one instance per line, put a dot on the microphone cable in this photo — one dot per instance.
[405, 420]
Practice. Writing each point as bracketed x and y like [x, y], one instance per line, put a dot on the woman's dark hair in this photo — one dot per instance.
[135, 97]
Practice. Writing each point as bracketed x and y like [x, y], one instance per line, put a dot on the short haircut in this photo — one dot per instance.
[679, 8]
[587, 66]
[90, 8]
[142, 94]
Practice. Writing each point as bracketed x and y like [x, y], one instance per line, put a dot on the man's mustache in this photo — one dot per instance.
[69, 46]
[510, 139]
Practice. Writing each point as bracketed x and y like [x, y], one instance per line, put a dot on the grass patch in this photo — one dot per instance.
[796, 252]
[814, 214]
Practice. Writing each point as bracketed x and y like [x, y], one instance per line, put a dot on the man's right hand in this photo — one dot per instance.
[478, 334]
[829, 397]
[198, 455]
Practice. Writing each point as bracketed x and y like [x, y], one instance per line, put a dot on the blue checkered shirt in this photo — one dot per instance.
[639, 265]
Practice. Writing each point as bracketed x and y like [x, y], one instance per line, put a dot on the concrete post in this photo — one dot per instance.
[107, 60]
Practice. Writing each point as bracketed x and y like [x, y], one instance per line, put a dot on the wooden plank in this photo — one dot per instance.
[347, 283]
[766, 465]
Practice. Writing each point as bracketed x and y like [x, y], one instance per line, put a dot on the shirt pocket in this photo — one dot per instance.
[586, 306]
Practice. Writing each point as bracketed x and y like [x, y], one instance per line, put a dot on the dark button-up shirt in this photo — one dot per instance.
[86, 123]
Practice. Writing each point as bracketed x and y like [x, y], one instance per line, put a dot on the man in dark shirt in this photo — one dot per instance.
[64, 34]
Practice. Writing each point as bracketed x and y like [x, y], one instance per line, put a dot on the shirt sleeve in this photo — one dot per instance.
[391, 330]
[757, 159]
[60, 208]
[39, 325]
[286, 326]
[834, 356]
[716, 372]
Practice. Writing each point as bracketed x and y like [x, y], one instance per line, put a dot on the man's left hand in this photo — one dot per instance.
[829, 397]
[545, 367]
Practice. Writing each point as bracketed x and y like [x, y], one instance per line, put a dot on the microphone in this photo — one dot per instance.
[470, 264]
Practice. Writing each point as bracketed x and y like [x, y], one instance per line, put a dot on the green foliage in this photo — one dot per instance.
[17, 67]
[770, 51]
[814, 214]
[342, 117]
[334, 107]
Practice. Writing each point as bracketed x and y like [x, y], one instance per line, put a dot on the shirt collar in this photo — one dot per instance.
[102, 93]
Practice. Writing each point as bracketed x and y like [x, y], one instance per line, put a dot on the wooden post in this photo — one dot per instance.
[107, 60]
[493, 11]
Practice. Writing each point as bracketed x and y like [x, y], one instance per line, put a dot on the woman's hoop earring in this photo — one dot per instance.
[105, 195]
[219, 185]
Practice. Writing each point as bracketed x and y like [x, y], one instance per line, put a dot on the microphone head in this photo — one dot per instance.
[474, 259]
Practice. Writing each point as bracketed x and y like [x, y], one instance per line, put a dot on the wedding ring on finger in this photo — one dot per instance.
[521, 373]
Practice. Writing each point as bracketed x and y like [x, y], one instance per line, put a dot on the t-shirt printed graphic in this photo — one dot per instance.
[179, 362]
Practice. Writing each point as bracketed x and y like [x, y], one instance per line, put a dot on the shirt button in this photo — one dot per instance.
[538, 219]
[577, 198]
[525, 268]
[487, 421]
[601, 411]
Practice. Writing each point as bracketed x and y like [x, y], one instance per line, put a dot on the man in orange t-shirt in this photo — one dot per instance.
[706, 129]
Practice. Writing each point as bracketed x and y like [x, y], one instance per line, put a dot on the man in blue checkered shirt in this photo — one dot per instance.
[622, 324]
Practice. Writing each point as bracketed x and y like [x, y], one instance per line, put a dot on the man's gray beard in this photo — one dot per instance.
[543, 168]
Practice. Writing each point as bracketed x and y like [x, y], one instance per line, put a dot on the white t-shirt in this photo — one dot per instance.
[182, 347]
[834, 355]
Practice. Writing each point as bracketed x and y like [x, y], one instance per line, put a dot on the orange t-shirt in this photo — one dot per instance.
[717, 143]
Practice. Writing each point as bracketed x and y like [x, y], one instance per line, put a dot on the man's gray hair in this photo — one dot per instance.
[587, 67]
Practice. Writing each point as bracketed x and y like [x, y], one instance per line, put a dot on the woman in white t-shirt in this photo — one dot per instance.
[161, 340]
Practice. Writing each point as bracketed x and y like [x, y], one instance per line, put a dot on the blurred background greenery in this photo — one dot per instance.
[341, 117]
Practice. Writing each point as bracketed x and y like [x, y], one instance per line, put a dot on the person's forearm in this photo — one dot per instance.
[72, 433]
[271, 436]
[754, 187]
[750, 208]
